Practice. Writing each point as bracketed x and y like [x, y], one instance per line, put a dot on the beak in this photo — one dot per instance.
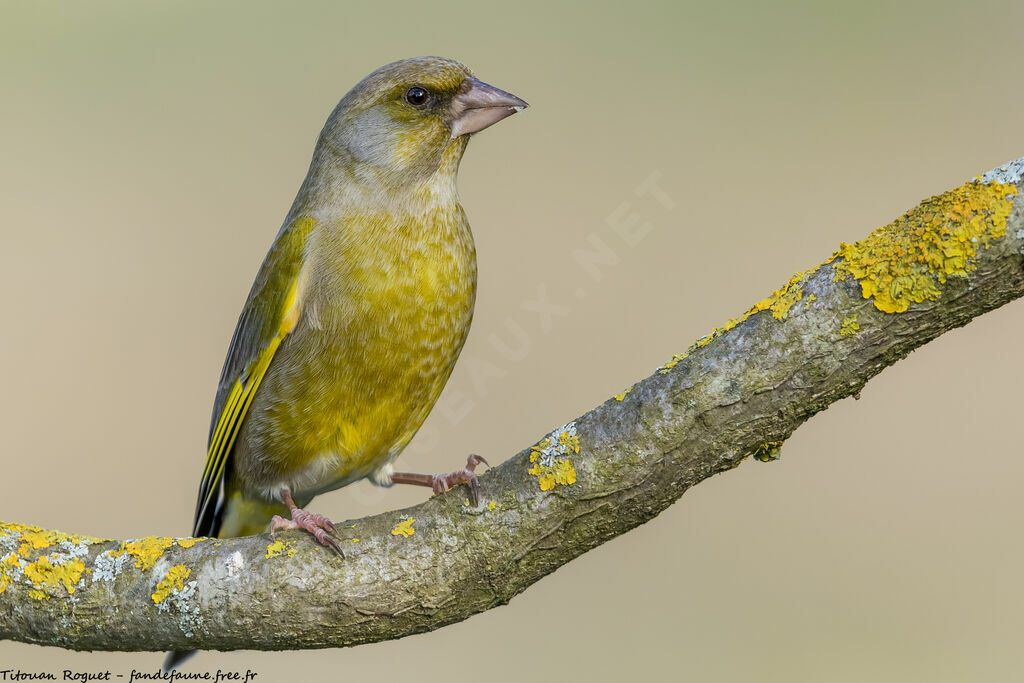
[478, 105]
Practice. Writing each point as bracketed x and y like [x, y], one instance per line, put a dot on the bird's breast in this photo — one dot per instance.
[405, 285]
[386, 312]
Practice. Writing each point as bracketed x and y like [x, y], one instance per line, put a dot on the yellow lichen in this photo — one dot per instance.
[43, 573]
[146, 551]
[355, 540]
[536, 450]
[781, 300]
[849, 326]
[571, 442]
[404, 528]
[287, 548]
[558, 472]
[173, 581]
[909, 260]
[37, 594]
[906, 261]
[672, 362]
[37, 538]
[187, 542]
[621, 396]
[6, 565]
[491, 505]
[810, 298]
[543, 474]
[565, 473]
[547, 459]
[779, 303]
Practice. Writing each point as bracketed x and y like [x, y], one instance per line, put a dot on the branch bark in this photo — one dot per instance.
[739, 392]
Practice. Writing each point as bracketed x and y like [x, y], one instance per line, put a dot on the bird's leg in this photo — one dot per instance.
[442, 482]
[318, 525]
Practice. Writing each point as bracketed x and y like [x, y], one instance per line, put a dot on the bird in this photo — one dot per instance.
[358, 313]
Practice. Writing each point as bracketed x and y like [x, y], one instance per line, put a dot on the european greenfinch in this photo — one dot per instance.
[359, 311]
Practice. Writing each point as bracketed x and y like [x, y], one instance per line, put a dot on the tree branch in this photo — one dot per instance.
[738, 392]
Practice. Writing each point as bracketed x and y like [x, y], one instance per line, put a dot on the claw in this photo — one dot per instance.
[474, 491]
[317, 525]
[467, 476]
[440, 483]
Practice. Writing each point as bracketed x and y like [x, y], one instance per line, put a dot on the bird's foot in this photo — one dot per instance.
[440, 483]
[467, 476]
[317, 525]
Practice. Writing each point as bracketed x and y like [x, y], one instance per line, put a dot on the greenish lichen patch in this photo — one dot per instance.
[768, 451]
[849, 326]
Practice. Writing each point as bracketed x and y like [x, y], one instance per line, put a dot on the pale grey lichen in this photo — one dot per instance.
[558, 444]
[15, 568]
[80, 549]
[184, 603]
[10, 541]
[107, 566]
[1009, 173]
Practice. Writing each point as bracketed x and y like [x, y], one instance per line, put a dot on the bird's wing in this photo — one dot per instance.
[270, 313]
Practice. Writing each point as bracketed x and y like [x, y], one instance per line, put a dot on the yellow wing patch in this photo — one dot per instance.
[238, 401]
[231, 420]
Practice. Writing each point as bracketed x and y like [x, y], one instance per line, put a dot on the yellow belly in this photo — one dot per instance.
[382, 325]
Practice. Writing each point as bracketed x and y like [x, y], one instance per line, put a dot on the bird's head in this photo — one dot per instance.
[410, 119]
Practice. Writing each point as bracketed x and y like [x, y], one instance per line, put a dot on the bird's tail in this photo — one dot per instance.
[240, 517]
[246, 517]
[175, 659]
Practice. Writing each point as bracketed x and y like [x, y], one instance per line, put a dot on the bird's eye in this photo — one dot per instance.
[416, 96]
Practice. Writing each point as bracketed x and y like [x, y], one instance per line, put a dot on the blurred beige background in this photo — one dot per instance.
[150, 151]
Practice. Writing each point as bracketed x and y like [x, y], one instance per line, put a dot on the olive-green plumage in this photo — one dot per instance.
[362, 305]
[360, 309]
